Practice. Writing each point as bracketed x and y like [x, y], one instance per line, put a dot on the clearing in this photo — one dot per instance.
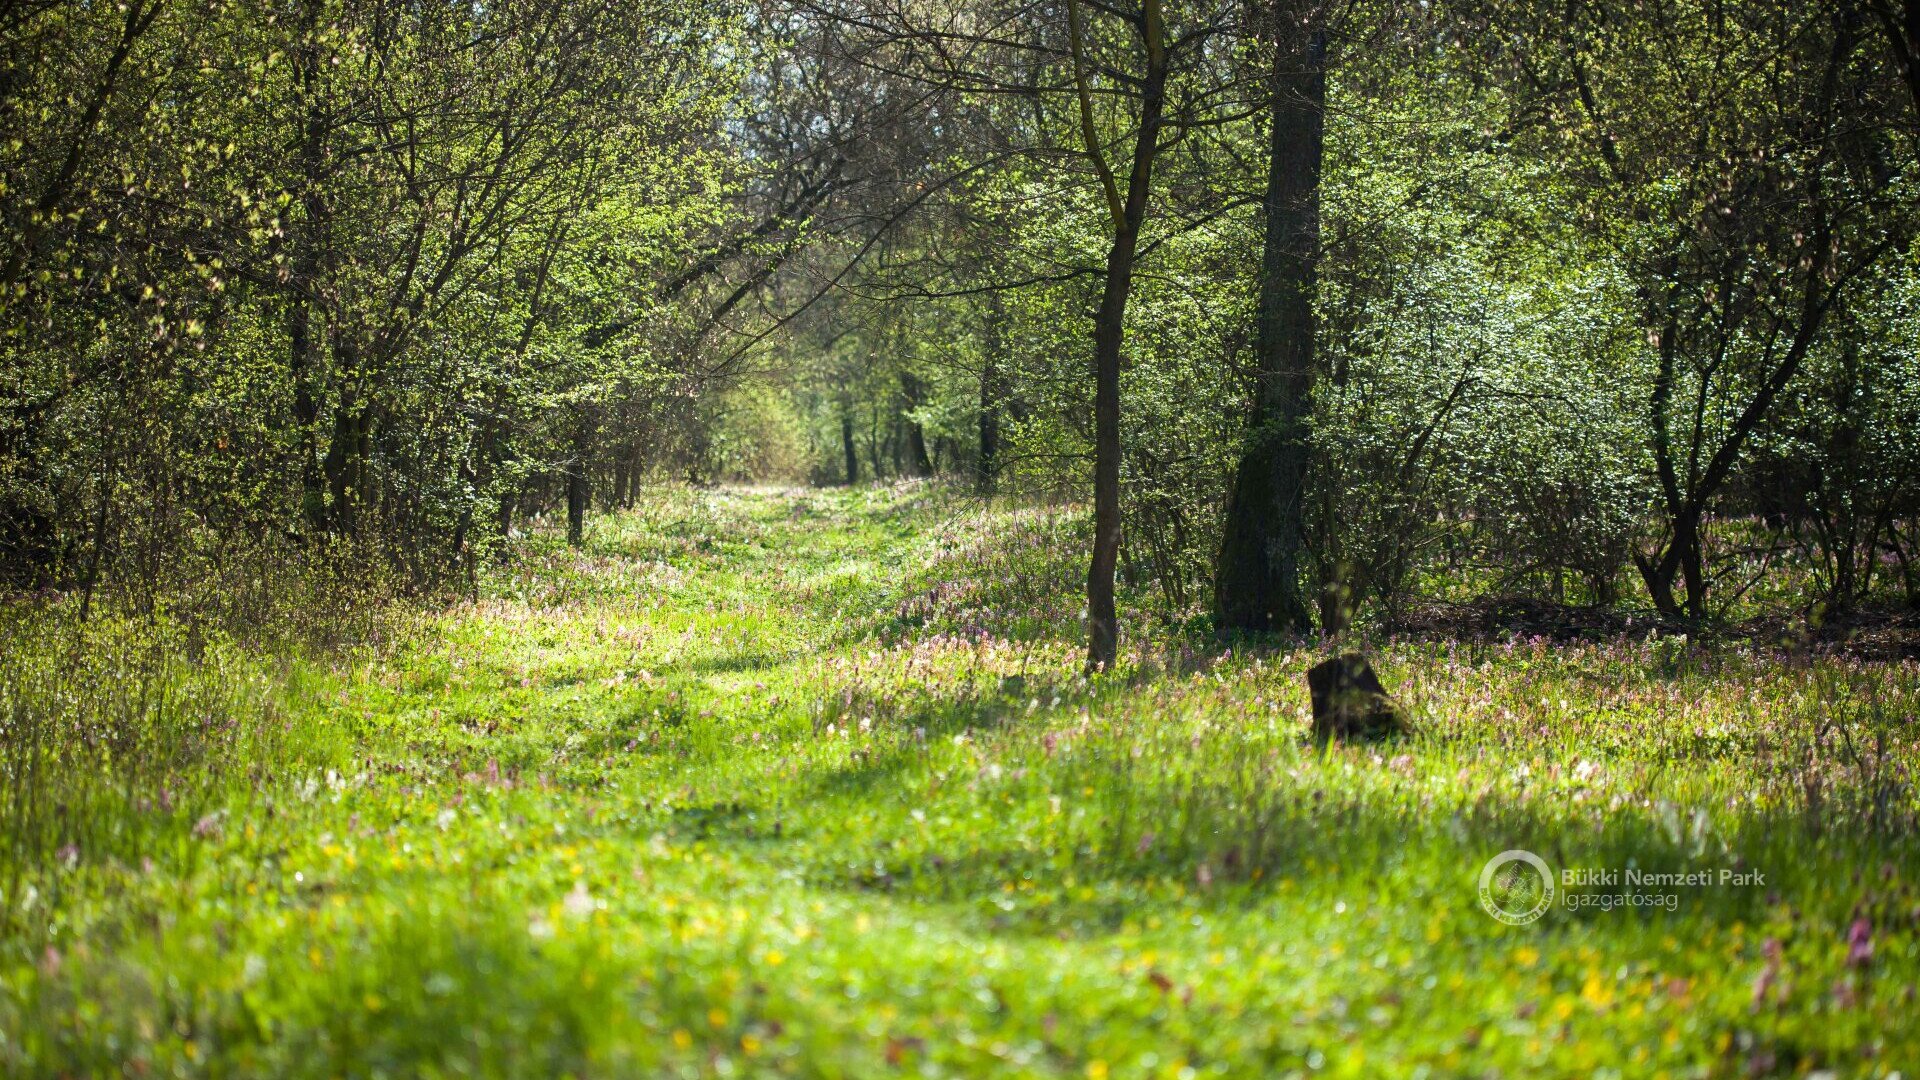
[808, 782]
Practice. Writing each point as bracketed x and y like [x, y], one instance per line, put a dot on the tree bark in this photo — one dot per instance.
[1103, 630]
[620, 466]
[310, 239]
[344, 464]
[987, 465]
[847, 446]
[577, 489]
[1109, 328]
[916, 442]
[1257, 579]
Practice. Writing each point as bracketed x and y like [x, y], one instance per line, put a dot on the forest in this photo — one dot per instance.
[805, 537]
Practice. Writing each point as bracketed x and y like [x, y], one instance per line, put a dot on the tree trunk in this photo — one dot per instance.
[577, 489]
[576, 502]
[848, 448]
[97, 551]
[345, 463]
[310, 237]
[916, 442]
[636, 471]
[1103, 630]
[1109, 328]
[1257, 579]
[987, 466]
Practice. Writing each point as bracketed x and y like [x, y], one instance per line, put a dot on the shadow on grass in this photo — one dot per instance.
[1211, 827]
[740, 663]
[1089, 882]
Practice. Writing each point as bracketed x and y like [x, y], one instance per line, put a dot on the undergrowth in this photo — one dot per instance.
[811, 783]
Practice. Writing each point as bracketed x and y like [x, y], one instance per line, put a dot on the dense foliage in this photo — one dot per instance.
[297, 275]
[1590, 290]
[384, 690]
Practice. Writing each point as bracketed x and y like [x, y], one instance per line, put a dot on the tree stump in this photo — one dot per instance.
[1349, 702]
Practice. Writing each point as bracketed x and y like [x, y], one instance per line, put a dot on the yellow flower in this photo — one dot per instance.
[1096, 1070]
[1596, 992]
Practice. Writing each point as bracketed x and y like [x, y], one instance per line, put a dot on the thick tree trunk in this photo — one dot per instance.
[1257, 579]
[1103, 630]
[345, 463]
[916, 442]
[306, 411]
[848, 448]
[917, 456]
[310, 237]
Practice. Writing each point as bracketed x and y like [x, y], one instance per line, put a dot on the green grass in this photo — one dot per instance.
[810, 783]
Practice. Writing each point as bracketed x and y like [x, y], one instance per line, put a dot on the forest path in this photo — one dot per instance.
[797, 782]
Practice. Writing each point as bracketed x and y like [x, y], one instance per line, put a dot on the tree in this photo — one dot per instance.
[1127, 212]
[1257, 579]
[1727, 152]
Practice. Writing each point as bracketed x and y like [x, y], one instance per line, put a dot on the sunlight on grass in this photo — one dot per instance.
[683, 804]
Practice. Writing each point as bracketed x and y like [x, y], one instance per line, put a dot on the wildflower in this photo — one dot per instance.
[1859, 943]
[1769, 975]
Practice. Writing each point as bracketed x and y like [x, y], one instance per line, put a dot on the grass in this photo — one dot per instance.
[809, 783]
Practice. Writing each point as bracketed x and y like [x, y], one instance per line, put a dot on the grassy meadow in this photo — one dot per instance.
[803, 782]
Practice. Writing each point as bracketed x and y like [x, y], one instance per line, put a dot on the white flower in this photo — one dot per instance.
[579, 903]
